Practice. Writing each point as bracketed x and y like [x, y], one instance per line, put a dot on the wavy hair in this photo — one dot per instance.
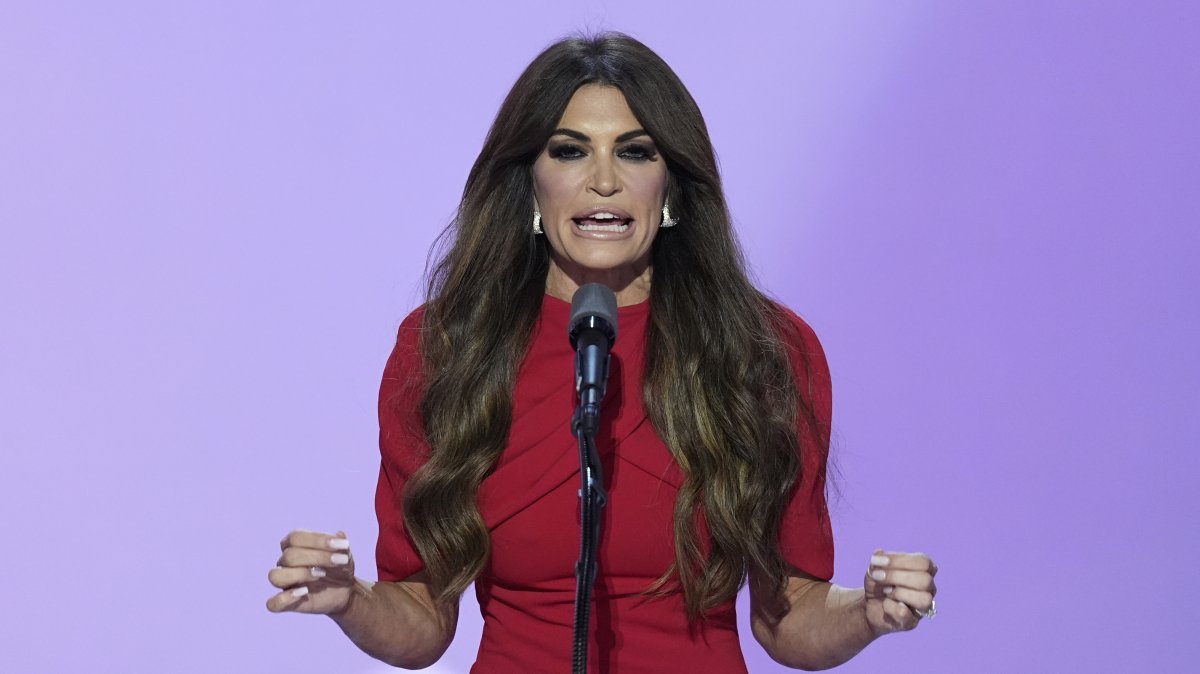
[718, 385]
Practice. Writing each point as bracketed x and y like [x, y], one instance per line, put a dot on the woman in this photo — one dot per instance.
[599, 168]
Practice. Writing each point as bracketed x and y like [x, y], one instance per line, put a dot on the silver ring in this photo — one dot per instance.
[931, 613]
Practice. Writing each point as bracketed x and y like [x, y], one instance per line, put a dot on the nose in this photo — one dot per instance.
[604, 180]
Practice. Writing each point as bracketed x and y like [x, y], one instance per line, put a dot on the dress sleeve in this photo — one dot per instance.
[402, 450]
[806, 534]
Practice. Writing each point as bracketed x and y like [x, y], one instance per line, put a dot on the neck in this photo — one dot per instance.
[631, 285]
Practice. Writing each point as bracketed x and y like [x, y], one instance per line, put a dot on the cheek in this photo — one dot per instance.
[554, 188]
[648, 187]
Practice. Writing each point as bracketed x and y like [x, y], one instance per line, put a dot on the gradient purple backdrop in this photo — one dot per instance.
[215, 217]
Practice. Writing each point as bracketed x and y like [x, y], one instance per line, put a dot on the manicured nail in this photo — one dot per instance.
[339, 544]
[300, 591]
[879, 560]
[339, 558]
[317, 572]
[877, 574]
[887, 589]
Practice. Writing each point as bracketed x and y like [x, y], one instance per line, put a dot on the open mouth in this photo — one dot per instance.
[602, 222]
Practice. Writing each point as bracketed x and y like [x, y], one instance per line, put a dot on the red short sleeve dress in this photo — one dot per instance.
[531, 507]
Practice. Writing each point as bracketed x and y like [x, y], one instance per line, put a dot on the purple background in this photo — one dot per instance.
[215, 217]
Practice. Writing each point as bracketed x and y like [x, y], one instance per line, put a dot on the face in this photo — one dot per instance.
[600, 185]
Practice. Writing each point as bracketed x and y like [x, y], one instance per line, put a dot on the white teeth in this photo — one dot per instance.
[602, 216]
[603, 228]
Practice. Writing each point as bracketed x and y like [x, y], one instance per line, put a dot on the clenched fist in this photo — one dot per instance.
[899, 590]
[315, 572]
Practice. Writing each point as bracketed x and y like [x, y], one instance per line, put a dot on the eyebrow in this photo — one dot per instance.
[583, 137]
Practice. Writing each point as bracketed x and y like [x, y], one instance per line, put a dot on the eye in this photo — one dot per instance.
[566, 152]
[638, 152]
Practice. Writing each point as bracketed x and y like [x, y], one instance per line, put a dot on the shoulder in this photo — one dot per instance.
[410, 328]
[406, 352]
[810, 367]
[402, 373]
[400, 396]
[797, 335]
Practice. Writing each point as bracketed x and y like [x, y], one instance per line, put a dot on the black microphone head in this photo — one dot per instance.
[593, 306]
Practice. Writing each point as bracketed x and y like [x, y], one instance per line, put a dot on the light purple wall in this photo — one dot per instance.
[214, 218]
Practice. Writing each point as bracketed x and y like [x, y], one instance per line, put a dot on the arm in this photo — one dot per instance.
[814, 624]
[398, 623]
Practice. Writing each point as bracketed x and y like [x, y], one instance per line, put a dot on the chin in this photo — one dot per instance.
[601, 261]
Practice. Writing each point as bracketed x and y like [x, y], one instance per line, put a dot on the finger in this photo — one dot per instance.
[873, 587]
[877, 590]
[908, 561]
[303, 538]
[916, 580]
[287, 577]
[288, 600]
[918, 601]
[331, 561]
[900, 614]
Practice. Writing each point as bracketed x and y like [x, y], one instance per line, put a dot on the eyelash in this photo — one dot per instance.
[569, 152]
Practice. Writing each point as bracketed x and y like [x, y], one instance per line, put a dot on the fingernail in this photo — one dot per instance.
[879, 560]
[339, 558]
[317, 572]
[887, 589]
[877, 574]
[339, 544]
[300, 591]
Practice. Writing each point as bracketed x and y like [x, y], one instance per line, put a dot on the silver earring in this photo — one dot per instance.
[537, 222]
[667, 220]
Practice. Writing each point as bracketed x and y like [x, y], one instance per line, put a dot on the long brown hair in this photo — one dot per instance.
[718, 386]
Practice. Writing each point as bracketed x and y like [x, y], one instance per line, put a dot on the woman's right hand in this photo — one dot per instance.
[315, 572]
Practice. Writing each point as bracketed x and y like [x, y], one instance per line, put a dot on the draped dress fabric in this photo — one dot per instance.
[530, 505]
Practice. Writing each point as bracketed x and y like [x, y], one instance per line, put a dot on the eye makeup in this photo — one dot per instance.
[639, 151]
[565, 151]
[633, 151]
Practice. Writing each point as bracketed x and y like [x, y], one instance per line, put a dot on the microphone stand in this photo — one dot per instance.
[592, 330]
[592, 497]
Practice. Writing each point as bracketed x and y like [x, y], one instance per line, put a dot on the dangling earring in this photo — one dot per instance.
[667, 220]
[537, 222]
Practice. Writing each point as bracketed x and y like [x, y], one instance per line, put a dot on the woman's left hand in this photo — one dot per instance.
[899, 590]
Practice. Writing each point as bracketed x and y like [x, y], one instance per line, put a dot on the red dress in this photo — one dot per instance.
[530, 505]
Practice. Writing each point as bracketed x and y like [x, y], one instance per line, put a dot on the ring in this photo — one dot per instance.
[931, 613]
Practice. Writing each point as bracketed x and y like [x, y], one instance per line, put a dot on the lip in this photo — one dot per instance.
[603, 236]
[602, 209]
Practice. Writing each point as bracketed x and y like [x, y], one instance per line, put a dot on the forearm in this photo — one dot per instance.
[824, 626]
[392, 623]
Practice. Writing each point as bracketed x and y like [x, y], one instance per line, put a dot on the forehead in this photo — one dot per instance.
[597, 111]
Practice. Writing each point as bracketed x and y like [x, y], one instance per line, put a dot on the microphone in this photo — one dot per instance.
[592, 329]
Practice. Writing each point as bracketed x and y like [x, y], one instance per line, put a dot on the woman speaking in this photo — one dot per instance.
[715, 433]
